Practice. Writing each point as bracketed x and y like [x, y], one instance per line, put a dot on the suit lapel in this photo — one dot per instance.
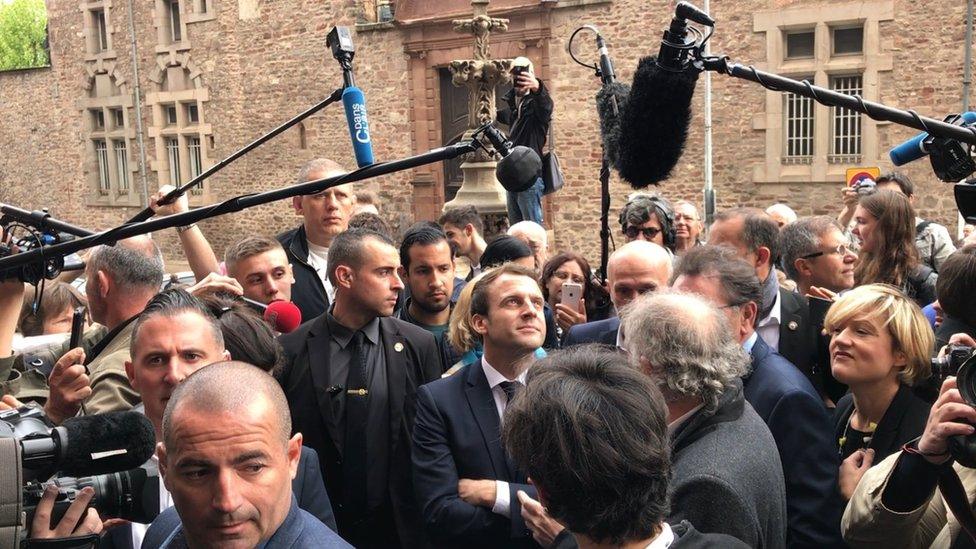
[318, 347]
[486, 414]
[609, 337]
[791, 326]
[394, 348]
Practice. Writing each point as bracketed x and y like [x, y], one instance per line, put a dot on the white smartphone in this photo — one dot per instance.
[571, 294]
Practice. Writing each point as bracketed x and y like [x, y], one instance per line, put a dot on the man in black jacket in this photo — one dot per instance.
[324, 215]
[350, 377]
[528, 115]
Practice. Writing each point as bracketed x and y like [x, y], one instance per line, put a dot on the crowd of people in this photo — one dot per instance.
[767, 383]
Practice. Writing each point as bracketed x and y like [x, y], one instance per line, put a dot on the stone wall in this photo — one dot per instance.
[264, 62]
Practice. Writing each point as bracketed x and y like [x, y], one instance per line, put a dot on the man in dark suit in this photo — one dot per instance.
[324, 215]
[780, 394]
[633, 269]
[726, 474]
[350, 376]
[465, 483]
[784, 319]
[227, 458]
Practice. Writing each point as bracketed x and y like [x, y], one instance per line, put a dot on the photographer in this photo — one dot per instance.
[956, 290]
[896, 503]
[528, 115]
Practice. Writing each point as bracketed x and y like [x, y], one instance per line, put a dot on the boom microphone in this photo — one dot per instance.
[339, 41]
[914, 148]
[654, 125]
[519, 166]
[611, 104]
[90, 445]
[283, 316]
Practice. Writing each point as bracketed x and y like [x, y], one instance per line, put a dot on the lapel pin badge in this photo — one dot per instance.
[398, 347]
[792, 325]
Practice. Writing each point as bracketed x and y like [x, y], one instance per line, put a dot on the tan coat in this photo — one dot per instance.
[867, 523]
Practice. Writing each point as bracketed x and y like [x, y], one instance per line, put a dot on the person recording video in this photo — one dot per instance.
[528, 115]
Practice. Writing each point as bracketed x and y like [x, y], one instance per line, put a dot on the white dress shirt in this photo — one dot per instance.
[503, 505]
[769, 327]
[318, 259]
[664, 539]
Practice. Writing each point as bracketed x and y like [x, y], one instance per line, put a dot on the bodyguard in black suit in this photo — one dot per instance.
[350, 379]
[633, 269]
[465, 483]
[782, 396]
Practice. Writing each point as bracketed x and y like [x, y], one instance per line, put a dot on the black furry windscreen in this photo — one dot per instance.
[655, 127]
[610, 122]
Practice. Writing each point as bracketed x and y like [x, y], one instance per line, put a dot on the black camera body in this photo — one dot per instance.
[963, 359]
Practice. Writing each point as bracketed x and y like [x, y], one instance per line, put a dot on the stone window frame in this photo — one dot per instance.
[775, 24]
[90, 30]
[203, 10]
[161, 20]
[160, 131]
[110, 133]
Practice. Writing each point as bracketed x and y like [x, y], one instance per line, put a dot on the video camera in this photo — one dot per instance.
[107, 452]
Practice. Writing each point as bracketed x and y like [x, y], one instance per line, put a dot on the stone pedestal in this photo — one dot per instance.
[480, 189]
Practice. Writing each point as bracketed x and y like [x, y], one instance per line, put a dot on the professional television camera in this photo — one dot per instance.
[106, 452]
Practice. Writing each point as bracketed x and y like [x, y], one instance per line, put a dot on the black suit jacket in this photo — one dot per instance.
[903, 421]
[796, 333]
[598, 331]
[797, 417]
[412, 359]
[308, 292]
[457, 435]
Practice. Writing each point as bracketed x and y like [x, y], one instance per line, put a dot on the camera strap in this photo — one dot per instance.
[954, 495]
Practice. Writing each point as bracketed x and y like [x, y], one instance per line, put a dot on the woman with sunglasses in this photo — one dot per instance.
[880, 346]
[885, 226]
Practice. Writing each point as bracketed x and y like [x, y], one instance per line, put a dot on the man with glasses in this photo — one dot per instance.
[817, 254]
[780, 394]
[650, 218]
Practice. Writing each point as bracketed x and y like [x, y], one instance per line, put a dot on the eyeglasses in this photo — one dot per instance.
[563, 275]
[649, 232]
[841, 249]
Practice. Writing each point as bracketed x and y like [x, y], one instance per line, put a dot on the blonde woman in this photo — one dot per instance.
[880, 345]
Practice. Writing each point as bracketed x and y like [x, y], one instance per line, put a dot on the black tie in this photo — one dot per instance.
[511, 389]
[357, 404]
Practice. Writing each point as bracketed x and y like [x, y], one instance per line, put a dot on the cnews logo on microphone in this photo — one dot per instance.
[360, 122]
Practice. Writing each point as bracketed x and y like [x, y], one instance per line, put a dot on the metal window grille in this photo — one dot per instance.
[845, 127]
[122, 165]
[101, 156]
[196, 161]
[799, 129]
[173, 153]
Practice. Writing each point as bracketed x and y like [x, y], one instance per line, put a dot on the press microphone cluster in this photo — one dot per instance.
[519, 166]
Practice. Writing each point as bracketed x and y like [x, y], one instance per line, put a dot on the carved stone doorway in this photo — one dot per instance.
[454, 122]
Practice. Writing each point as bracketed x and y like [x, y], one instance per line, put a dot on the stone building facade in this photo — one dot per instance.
[143, 93]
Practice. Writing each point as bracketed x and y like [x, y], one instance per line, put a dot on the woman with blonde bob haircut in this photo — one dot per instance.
[880, 346]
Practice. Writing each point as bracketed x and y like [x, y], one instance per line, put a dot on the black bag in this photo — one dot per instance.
[552, 174]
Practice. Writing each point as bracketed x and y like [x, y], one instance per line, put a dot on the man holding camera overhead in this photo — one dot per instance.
[528, 116]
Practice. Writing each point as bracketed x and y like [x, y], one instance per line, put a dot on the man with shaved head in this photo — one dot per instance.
[635, 268]
[324, 215]
[227, 458]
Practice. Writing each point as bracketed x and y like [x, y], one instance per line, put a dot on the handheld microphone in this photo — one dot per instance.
[519, 166]
[914, 148]
[283, 316]
[339, 41]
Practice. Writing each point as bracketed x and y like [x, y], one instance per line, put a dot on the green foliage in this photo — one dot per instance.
[23, 34]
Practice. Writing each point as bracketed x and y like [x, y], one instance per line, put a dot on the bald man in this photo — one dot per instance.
[228, 458]
[636, 268]
[535, 236]
[324, 215]
[782, 214]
